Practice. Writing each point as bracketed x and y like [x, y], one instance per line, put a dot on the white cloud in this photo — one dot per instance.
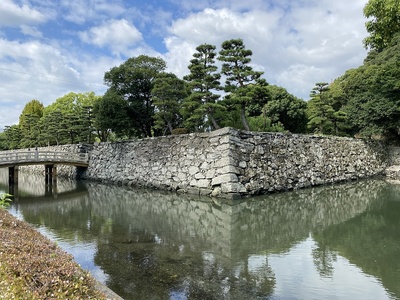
[213, 27]
[81, 11]
[13, 15]
[179, 55]
[236, 5]
[33, 70]
[117, 35]
[30, 30]
[310, 42]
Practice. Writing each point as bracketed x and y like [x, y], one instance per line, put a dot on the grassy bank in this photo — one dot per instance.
[33, 267]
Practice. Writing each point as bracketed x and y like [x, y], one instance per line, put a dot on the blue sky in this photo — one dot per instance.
[49, 48]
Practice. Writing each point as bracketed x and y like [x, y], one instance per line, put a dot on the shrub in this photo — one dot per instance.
[5, 200]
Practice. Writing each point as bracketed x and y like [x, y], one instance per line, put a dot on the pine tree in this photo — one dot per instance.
[240, 76]
[200, 106]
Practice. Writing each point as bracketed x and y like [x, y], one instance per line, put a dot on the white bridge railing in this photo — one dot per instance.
[35, 156]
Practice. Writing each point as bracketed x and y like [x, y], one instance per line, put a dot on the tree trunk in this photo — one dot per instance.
[169, 127]
[213, 121]
[243, 117]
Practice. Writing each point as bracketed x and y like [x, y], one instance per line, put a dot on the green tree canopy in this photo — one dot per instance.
[29, 123]
[168, 94]
[68, 119]
[32, 108]
[3, 141]
[373, 92]
[383, 23]
[201, 104]
[286, 109]
[320, 111]
[12, 136]
[239, 75]
[134, 80]
[111, 115]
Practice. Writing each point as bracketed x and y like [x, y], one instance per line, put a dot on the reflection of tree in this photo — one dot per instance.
[263, 277]
[323, 259]
[153, 244]
[370, 240]
[144, 267]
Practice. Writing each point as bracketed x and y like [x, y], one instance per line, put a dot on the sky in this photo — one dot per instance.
[49, 48]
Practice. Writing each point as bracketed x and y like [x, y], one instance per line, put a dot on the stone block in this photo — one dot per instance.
[210, 173]
[193, 170]
[224, 179]
[216, 192]
[225, 161]
[242, 164]
[199, 176]
[205, 192]
[203, 183]
[234, 187]
[228, 169]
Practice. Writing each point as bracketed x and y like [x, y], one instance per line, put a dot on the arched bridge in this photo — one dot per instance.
[35, 157]
[14, 159]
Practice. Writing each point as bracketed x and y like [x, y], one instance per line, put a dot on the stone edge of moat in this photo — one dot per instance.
[231, 163]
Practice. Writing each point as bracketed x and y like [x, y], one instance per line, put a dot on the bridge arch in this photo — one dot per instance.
[35, 157]
[13, 159]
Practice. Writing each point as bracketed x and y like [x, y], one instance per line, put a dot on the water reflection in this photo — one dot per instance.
[156, 245]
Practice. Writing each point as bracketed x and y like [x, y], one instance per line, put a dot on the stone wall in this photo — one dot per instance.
[194, 163]
[232, 163]
[394, 155]
[274, 162]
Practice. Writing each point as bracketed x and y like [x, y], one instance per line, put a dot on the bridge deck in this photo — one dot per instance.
[21, 158]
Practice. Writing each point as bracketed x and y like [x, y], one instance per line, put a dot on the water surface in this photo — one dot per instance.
[334, 242]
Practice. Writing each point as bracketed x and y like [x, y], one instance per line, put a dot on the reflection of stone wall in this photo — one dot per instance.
[231, 163]
[34, 184]
[273, 223]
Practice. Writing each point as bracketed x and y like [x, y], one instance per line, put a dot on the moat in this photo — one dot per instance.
[333, 242]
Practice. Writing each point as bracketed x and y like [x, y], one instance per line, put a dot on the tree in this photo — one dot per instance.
[3, 141]
[32, 108]
[111, 115]
[168, 93]
[239, 74]
[373, 90]
[29, 123]
[320, 112]
[133, 80]
[286, 109]
[13, 136]
[384, 23]
[69, 118]
[52, 128]
[201, 104]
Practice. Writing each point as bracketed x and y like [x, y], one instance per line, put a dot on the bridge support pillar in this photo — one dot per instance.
[50, 174]
[13, 175]
[13, 180]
